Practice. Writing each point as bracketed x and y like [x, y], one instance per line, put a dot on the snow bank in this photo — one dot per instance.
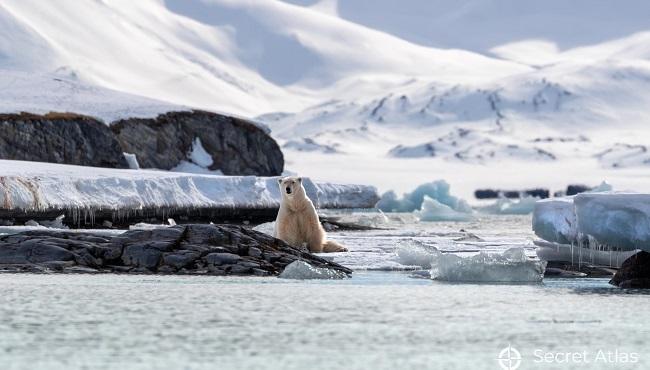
[430, 201]
[510, 266]
[35, 186]
[505, 206]
[301, 270]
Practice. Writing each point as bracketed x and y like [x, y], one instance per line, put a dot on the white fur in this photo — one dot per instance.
[297, 223]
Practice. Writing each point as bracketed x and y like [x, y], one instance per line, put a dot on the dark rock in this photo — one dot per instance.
[34, 251]
[80, 270]
[576, 189]
[538, 192]
[496, 193]
[166, 270]
[183, 249]
[486, 194]
[255, 252]
[634, 272]
[180, 259]
[141, 255]
[60, 138]
[237, 146]
[222, 258]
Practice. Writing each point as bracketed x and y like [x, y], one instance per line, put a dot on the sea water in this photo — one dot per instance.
[381, 318]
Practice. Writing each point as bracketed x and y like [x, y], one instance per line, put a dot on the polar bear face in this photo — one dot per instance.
[291, 186]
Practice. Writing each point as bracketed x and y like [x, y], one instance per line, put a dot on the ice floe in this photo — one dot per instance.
[37, 186]
[301, 270]
[509, 266]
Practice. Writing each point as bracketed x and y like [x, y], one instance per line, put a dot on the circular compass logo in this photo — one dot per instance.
[509, 358]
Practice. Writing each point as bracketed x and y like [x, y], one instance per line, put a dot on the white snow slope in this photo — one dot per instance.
[384, 92]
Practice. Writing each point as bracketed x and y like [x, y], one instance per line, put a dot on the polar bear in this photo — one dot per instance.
[297, 223]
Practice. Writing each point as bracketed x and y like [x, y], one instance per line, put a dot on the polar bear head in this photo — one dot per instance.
[291, 187]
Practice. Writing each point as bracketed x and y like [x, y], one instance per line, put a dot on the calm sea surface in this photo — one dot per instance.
[378, 319]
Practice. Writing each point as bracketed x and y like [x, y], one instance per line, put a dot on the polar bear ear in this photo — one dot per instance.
[280, 180]
[300, 179]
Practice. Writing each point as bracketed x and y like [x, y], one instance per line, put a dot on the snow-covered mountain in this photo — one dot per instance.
[482, 93]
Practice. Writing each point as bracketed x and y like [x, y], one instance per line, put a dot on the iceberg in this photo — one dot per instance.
[432, 210]
[430, 202]
[438, 190]
[511, 266]
[415, 253]
[619, 220]
[602, 228]
[301, 270]
[554, 220]
[505, 206]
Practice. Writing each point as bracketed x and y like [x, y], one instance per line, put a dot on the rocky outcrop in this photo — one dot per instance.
[184, 249]
[634, 272]
[59, 138]
[237, 146]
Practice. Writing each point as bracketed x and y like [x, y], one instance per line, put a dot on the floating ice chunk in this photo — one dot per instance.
[505, 206]
[416, 253]
[437, 190]
[512, 266]
[554, 220]
[302, 270]
[432, 210]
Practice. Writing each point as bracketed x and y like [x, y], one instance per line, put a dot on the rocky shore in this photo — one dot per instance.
[194, 249]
